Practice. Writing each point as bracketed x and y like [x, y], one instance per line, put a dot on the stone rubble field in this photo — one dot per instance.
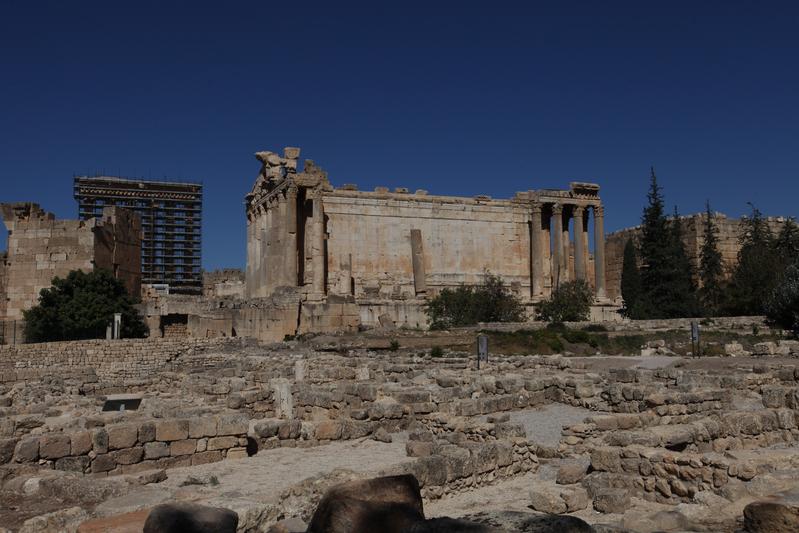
[652, 442]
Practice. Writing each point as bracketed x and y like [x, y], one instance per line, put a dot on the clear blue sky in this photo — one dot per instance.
[453, 97]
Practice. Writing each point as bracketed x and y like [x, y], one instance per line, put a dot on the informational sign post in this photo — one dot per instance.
[482, 349]
[695, 338]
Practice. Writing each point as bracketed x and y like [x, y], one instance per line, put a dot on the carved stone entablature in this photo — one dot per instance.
[584, 190]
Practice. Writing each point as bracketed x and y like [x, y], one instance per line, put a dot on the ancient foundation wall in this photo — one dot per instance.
[127, 359]
[136, 446]
[370, 241]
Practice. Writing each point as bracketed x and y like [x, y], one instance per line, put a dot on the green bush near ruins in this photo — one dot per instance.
[570, 302]
[81, 306]
[491, 301]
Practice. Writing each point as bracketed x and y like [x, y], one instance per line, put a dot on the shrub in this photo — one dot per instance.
[436, 351]
[577, 337]
[571, 302]
[491, 301]
[595, 328]
[394, 345]
[81, 306]
[782, 307]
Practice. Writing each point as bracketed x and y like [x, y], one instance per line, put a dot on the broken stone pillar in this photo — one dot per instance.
[300, 370]
[557, 244]
[291, 236]
[318, 245]
[281, 398]
[579, 244]
[599, 250]
[417, 257]
[536, 252]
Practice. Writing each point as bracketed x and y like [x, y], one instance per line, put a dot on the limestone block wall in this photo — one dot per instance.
[133, 447]
[120, 360]
[39, 250]
[222, 283]
[117, 246]
[369, 240]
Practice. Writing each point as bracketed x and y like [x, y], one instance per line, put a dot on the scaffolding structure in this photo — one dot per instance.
[171, 219]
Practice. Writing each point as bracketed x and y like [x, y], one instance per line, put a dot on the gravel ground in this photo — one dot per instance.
[271, 471]
[543, 425]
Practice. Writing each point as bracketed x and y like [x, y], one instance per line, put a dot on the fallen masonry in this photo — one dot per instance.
[262, 432]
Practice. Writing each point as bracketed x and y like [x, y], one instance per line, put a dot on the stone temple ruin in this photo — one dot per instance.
[384, 253]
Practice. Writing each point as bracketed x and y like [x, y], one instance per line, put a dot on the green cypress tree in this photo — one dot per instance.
[682, 300]
[654, 248]
[787, 244]
[755, 275]
[711, 267]
[631, 287]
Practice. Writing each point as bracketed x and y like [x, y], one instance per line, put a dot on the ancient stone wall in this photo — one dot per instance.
[223, 283]
[41, 248]
[118, 360]
[729, 235]
[136, 446]
[117, 246]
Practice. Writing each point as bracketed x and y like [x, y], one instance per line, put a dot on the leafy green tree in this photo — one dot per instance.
[757, 271]
[711, 267]
[491, 301]
[80, 306]
[570, 302]
[631, 287]
[782, 306]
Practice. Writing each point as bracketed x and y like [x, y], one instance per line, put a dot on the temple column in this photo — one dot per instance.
[318, 245]
[564, 265]
[557, 245]
[280, 236]
[268, 262]
[291, 236]
[536, 251]
[579, 244]
[599, 250]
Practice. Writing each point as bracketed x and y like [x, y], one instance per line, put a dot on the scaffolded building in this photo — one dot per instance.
[171, 220]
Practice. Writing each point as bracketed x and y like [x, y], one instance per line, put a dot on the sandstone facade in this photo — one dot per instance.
[389, 251]
[41, 248]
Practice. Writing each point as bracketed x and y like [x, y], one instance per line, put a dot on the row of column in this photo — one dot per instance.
[553, 219]
[273, 238]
